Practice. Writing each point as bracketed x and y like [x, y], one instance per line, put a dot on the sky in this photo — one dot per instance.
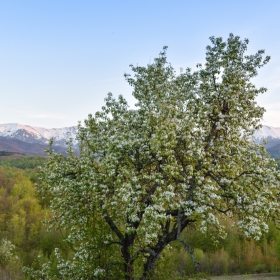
[59, 59]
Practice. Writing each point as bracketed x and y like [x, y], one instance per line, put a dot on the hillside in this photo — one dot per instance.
[18, 146]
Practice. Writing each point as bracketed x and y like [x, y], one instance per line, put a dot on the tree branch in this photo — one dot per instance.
[187, 247]
[113, 226]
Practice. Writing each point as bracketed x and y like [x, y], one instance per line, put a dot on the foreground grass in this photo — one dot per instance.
[264, 276]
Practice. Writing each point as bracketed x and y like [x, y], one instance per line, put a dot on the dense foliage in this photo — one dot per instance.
[182, 159]
[18, 247]
[24, 162]
[22, 235]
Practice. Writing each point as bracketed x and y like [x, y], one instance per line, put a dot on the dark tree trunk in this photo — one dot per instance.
[128, 265]
[128, 270]
[149, 268]
[168, 236]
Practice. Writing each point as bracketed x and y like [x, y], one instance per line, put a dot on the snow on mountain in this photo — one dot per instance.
[31, 134]
[270, 134]
[40, 135]
[267, 132]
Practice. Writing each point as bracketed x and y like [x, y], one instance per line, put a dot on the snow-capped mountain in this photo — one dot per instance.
[272, 136]
[28, 139]
[32, 134]
[269, 133]
[40, 135]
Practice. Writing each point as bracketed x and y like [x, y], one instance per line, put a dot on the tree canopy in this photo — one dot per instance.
[183, 157]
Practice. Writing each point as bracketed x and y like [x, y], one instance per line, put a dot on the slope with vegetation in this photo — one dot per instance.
[22, 235]
[20, 161]
[23, 238]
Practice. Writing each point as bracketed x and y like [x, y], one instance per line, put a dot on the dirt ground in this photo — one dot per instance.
[265, 276]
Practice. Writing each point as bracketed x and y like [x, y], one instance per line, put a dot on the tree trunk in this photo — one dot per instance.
[128, 265]
[149, 268]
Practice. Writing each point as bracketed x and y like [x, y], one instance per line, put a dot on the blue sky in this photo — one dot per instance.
[59, 59]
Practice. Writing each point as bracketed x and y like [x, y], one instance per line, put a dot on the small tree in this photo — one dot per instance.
[184, 156]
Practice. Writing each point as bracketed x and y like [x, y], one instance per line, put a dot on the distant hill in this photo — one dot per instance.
[272, 136]
[17, 146]
[274, 151]
[10, 155]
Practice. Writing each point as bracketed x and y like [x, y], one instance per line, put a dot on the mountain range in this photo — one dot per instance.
[32, 140]
[272, 136]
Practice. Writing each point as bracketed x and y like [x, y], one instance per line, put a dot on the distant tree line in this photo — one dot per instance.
[5, 153]
[24, 162]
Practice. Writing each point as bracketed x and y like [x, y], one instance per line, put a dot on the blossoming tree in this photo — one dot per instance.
[184, 156]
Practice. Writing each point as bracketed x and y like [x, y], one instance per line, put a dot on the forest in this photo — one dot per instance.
[24, 236]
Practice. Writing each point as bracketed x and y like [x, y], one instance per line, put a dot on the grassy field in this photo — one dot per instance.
[265, 276]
